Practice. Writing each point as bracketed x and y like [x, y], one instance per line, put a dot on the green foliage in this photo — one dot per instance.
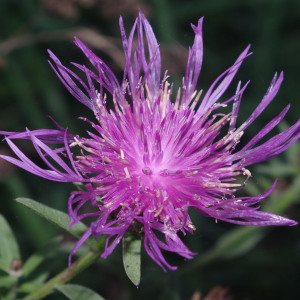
[132, 257]
[34, 284]
[78, 292]
[7, 281]
[236, 242]
[9, 249]
[58, 218]
[47, 251]
[19, 279]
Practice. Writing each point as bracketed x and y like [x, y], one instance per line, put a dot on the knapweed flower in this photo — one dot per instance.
[156, 152]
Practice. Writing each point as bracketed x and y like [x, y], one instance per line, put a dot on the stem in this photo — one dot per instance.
[78, 266]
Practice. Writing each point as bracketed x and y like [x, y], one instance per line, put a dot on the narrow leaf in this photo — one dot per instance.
[234, 243]
[290, 196]
[78, 292]
[33, 285]
[238, 241]
[32, 263]
[7, 281]
[279, 169]
[3, 264]
[132, 257]
[9, 249]
[57, 217]
[36, 259]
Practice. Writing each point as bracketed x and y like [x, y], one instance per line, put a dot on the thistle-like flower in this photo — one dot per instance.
[157, 152]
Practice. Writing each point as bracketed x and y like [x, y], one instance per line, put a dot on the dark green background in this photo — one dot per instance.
[30, 91]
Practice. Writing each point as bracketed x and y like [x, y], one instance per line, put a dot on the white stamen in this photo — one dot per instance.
[177, 100]
[148, 92]
[196, 100]
[122, 154]
[191, 174]
[158, 212]
[246, 172]
[126, 172]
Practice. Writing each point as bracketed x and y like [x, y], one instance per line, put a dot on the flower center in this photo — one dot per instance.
[147, 171]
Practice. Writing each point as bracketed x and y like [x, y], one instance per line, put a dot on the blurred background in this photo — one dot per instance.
[233, 262]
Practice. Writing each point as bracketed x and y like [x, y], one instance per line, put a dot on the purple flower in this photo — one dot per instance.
[148, 159]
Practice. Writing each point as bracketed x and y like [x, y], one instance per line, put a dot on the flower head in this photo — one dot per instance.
[157, 152]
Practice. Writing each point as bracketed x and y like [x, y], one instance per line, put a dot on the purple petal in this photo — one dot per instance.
[69, 83]
[270, 148]
[194, 64]
[213, 94]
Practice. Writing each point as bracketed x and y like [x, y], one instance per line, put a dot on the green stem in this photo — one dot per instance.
[81, 264]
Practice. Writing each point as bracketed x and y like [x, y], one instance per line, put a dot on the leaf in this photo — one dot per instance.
[9, 249]
[40, 231]
[33, 285]
[238, 241]
[277, 169]
[67, 247]
[7, 281]
[37, 258]
[290, 196]
[234, 243]
[78, 292]
[132, 257]
[242, 239]
[32, 263]
[292, 154]
[3, 264]
[58, 218]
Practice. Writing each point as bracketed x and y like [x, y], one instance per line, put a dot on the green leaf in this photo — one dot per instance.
[277, 169]
[9, 249]
[238, 241]
[40, 231]
[32, 263]
[33, 285]
[292, 154]
[57, 217]
[7, 281]
[67, 247]
[242, 239]
[36, 259]
[234, 243]
[3, 264]
[132, 257]
[290, 195]
[78, 292]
